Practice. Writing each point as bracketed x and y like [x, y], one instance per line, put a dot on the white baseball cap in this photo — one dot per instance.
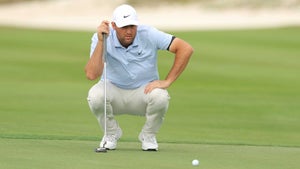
[125, 15]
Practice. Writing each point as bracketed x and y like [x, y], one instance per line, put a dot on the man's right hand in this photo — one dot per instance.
[103, 28]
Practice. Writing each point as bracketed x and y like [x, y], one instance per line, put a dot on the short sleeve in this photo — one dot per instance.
[162, 39]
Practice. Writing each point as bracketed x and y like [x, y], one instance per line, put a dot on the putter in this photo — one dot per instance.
[103, 149]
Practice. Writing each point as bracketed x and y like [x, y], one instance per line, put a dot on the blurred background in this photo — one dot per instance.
[164, 14]
[236, 103]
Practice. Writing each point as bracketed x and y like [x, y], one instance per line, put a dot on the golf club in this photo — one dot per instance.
[103, 149]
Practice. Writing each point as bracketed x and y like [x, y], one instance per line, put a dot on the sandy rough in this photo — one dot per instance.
[87, 14]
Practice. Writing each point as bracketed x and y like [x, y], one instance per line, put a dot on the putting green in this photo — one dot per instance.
[67, 154]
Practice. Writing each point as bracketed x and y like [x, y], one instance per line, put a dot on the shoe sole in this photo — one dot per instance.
[150, 150]
[101, 150]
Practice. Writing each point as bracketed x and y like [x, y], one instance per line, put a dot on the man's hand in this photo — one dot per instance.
[162, 84]
[183, 52]
[103, 28]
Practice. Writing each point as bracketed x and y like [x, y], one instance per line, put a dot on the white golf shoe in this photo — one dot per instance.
[149, 142]
[109, 141]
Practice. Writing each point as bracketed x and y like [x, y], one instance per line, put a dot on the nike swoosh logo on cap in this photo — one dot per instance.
[126, 16]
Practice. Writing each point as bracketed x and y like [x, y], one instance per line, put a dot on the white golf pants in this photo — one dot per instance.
[135, 102]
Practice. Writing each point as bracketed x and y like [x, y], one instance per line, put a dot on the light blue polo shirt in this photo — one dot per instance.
[135, 66]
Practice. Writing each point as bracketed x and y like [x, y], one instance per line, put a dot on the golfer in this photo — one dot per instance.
[133, 84]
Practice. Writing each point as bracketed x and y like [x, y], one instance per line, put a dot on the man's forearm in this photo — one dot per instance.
[94, 67]
[182, 57]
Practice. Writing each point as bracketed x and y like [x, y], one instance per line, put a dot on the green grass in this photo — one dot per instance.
[236, 106]
[61, 154]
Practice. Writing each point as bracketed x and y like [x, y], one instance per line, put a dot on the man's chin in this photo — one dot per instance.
[128, 42]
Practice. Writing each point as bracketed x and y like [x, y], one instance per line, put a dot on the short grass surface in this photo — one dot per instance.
[236, 106]
[62, 154]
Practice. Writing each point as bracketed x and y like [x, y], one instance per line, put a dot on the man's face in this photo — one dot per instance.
[125, 34]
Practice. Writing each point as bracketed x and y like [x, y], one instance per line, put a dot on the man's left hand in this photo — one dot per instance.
[162, 84]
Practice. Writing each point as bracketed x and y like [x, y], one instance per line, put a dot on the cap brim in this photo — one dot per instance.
[126, 23]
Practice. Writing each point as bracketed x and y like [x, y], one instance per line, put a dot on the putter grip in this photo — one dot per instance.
[104, 47]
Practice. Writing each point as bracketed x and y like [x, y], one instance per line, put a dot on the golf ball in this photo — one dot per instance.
[195, 162]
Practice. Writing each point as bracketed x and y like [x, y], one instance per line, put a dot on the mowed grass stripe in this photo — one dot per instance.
[96, 139]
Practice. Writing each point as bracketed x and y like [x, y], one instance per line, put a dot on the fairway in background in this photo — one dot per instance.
[240, 88]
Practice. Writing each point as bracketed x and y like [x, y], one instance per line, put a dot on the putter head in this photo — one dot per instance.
[101, 150]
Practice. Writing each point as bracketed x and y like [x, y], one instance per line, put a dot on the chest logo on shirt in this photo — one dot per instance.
[126, 16]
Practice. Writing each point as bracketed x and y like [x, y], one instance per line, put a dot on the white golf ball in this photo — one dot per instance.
[195, 162]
